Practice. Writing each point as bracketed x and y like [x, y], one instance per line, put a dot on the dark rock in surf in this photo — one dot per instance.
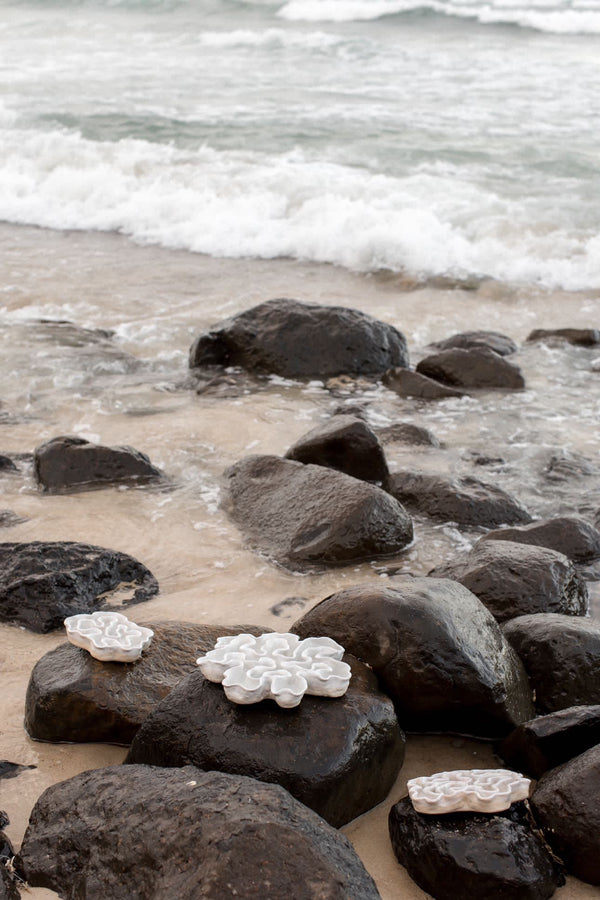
[475, 368]
[72, 463]
[566, 803]
[407, 433]
[570, 535]
[140, 832]
[466, 501]
[8, 518]
[516, 579]
[567, 464]
[469, 340]
[8, 887]
[407, 383]
[344, 443]
[436, 650]
[7, 464]
[548, 741]
[11, 769]
[340, 757]
[73, 697]
[465, 855]
[301, 340]
[309, 515]
[562, 657]
[43, 582]
[583, 337]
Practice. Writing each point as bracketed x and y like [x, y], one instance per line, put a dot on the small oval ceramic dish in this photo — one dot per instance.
[467, 790]
[108, 636]
[274, 666]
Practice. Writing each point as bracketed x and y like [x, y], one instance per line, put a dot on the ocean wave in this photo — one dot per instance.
[269, 37]
[235, 204]
[559, 18]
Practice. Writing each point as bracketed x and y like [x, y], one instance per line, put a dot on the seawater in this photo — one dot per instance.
[433, 137]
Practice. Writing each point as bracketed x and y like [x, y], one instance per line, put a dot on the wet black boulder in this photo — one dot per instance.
[548, 741]
[469, 340]
[407, 383]
[570, 535]
[71, 463]
[345, 443]
[475, 368]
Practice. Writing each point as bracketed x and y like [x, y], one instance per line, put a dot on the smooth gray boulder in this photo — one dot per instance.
[72, 463]
[584, 337]
[301, 340]
[571, 535]
[468, 340]
[475, 368]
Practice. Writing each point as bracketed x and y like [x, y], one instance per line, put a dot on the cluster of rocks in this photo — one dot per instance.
[222, 800]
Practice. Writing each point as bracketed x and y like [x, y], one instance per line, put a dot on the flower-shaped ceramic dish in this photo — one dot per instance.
[274, 666]
[467, 790]
[108, 636]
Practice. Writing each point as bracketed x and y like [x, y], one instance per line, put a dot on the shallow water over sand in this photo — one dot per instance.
[130, 388]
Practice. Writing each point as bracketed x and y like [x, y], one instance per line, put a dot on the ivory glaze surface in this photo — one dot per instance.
[274, 666]
[108, 636]
[467, 790]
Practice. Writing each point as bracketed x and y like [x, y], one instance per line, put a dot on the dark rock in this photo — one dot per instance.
[567, 464]
[73, 697]
[302, 514]
[517, 579]
[42, 582]
[546, 742]
[68, 334]
[468, 340]
[339, 756]
[466, 501]
[344, 443]
[407, 383]
[436, 650]
[570, 535]
[566, 803]
[65, 463]
[407, 433]
[11, 770]
[7, 465]
[8, 518]
[562, 657]
[465, 855]
[301, 340]
[584, 337]
[8, 882]
[281, 608]
[476, 368]
[358, 410]
[128, 832]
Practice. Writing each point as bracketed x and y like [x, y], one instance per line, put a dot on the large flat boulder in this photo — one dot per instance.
[517, 579]
[466, 855]
[436, 650]
[345, 443]
[566, 802]
[301, 340]
[338, 756]
[562, 657]
[309, 515]
[43, 582]
[72, 463]
[570, 535]
[73, 697]
[129, 832]
[466, 501]
[478, 367]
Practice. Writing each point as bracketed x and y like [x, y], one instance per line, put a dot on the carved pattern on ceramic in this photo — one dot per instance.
[467, 790]
[274, 666]
[108, 636]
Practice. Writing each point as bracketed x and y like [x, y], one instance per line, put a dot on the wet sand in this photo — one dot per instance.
[130, 390]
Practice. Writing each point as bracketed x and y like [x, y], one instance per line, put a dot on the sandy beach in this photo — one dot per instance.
[155, 301]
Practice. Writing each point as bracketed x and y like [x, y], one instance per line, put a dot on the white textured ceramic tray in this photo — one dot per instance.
[274, 666]
[108, 636]
[468, 790]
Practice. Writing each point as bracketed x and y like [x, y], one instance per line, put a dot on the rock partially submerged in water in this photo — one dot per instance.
[436, 650]
[43, 582]
[470, 340]
[584, 337]
[548, 741]
[8, 887]
[345, 443]
[474, 368]
[408, 433]
[517, 579]
[562, 657]
[339, 756]
[570, 535]
[407, 383]
[137, 831]
[566, 803]
[73, 697]
[303, 514]
[72, 463]
[301, 340]
[465, 855]
[466, 501]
